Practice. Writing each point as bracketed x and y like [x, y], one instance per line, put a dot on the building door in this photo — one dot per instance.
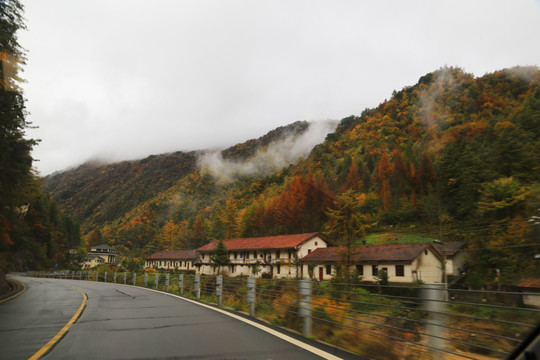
[321, 273]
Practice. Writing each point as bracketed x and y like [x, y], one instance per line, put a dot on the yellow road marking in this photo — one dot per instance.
[62, 332]
[17, 294]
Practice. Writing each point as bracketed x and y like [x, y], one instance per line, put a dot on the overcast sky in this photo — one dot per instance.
[123, 79]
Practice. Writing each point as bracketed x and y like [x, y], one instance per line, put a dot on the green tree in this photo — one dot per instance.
[220, 256]
[347, 222]
[501, 197]
[16, 177]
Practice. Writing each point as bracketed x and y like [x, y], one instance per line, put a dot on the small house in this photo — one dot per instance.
[403, 263]
[100, 254]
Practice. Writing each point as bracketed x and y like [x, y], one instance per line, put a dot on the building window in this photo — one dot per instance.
[374, 270]
[316, 243]
[278, 254]
[254, 254]
[235, 254]
[278, 268]
[360, 270]
[400, 270]
[328, 269]
[202, 256]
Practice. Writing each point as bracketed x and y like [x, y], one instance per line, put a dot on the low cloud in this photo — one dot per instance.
[275, 156]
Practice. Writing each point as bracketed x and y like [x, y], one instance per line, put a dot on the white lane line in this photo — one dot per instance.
[287, 338]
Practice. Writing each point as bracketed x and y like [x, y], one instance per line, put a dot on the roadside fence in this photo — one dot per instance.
[375, 321]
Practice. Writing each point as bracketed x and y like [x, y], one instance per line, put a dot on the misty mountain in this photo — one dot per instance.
[97, 193]
[452, 157]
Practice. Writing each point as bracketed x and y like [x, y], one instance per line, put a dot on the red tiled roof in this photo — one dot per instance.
[530, 283]
[174, 255]
[267, 242]
[369, 253]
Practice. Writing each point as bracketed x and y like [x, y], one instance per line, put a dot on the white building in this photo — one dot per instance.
[100, 254]
[172, 260]
[403, 263]
[270, 256]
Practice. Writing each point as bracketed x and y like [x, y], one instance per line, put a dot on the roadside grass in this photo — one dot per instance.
[396, 238]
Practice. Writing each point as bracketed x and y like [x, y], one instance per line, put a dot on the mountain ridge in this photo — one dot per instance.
[452, 157]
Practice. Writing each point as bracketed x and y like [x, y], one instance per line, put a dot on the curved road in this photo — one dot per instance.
[126, 322]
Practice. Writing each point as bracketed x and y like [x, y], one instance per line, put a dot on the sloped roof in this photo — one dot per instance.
[450, 248]
[530, 283]
[370, 253]
[266, 242]
[94, 256]
[174, 255]
[102, 246]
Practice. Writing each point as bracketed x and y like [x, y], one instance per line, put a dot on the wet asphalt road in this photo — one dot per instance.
[125, 322]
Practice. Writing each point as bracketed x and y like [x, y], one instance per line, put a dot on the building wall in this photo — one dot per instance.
[311, 245]
[426, 267]
[531, 300]
[92, 263]
[170, 264]
[457, 262]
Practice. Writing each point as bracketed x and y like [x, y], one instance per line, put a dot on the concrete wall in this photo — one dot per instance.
[428, 268]
[455, 263]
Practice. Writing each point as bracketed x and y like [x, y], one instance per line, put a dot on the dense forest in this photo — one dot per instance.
[453, 157]
[33, 232]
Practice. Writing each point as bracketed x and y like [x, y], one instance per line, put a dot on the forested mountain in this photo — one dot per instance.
[454, 157]
[95, 193]
[98, 193]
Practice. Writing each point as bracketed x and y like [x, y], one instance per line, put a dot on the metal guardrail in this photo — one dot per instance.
[371, 320]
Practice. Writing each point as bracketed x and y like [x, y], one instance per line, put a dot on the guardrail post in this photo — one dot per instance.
[134, 279]
[125, 277]
[219, 289]
[197, 284]
[114, 277]
[304, 304]
[156, 280]
[181, 284]
[167, 278]
[432, 299]
[251, 295]
[145, 279]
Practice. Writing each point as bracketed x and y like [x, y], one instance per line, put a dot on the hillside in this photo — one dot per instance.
[451, 157]
[95, 193]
